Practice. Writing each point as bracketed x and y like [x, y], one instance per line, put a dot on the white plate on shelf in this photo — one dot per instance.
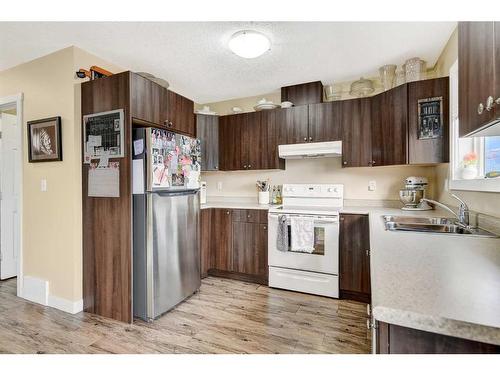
[265, 106]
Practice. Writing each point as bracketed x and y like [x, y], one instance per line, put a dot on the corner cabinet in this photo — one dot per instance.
[354, 253]
[234, 244]
[478, 75]
[207, 130]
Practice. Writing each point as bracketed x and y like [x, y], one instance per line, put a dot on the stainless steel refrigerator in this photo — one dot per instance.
[166, 211]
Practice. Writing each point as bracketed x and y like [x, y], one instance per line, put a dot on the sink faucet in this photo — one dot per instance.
[463, 210]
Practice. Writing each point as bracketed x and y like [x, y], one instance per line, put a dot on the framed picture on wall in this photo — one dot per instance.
[44, 140]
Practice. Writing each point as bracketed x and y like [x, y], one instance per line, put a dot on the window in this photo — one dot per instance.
[475, 160]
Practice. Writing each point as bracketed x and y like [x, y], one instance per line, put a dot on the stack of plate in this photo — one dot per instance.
[263, 104]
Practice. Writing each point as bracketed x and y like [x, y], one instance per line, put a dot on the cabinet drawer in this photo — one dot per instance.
[250, 216]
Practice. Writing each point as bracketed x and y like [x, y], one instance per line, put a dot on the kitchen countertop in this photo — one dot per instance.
[441, 283]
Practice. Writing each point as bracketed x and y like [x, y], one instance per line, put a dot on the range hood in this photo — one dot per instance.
[311, 150]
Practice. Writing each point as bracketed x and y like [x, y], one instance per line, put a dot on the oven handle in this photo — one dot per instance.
[318, 220]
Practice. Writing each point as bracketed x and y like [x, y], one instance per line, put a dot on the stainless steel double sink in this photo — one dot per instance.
[432, 225]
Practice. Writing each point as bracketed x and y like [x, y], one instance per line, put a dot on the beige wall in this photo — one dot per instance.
[52, 233]
[488, 203]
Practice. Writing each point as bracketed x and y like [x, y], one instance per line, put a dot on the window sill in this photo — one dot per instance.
[480, 184]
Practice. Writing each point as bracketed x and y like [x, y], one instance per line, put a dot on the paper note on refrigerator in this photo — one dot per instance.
[138, 146]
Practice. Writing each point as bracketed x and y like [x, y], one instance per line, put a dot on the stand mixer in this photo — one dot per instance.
[412, 194]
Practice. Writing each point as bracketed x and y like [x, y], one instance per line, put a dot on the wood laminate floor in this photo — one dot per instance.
[225, 316]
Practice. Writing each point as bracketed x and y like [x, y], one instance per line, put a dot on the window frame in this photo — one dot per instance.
[454, 183]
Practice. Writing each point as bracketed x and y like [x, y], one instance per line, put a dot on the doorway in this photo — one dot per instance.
[10, 188]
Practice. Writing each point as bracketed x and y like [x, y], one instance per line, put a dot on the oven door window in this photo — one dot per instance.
[319, 240]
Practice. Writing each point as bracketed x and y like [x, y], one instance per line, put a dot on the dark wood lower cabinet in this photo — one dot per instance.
[394, 339]
[354, 254]
[234, 244]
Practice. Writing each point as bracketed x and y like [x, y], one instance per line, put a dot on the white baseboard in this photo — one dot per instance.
[65, 305]
[35, 290]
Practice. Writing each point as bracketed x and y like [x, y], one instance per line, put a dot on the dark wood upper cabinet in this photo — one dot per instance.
[270, 141]
[253, 142]
[207, 130]
[325, 122]
[222, 235]
[356, 133]
[355, 257]
[303, 94]
[145, 97]
[293, 125]
[433, 150]
[230, 142]
[390, 126]
[478, 73]
[179, 114]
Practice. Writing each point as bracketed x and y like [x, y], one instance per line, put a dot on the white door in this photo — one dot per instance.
[10, 173]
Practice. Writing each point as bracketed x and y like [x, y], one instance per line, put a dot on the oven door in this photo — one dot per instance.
[325, 257]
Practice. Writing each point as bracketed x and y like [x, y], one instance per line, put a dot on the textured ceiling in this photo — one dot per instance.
[194, 58]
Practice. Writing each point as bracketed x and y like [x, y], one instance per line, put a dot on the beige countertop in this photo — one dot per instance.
[442, 283]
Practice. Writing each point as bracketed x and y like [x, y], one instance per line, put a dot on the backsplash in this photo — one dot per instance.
[389, 180]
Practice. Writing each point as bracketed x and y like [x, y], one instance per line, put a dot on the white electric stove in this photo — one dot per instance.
[316, 272]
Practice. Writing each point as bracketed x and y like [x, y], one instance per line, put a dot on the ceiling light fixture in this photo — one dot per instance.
[249, 44]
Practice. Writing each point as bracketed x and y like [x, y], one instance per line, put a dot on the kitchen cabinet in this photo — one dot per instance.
[250, 248]
[249, 141]
[394, 339]
[234, 244]
[206, 254]
[145, 96]
[478, 74]
[207, 130]
[432, 150]
[270, 135]
[222, 234]
[178, 113]
[293, 125]
[354, 249]
[325, 122]
[303, 94]
[230, 142]
[356, 133]
[389, 127]
[253, 141]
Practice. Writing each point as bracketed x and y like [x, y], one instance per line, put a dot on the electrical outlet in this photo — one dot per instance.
[43, 184]
[372, 185]
[219, 185]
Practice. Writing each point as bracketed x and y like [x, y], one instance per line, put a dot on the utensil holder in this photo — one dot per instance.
[264, 197]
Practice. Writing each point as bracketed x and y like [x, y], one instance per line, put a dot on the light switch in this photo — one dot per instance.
[372, 185]
[219, 185]
[43, 184]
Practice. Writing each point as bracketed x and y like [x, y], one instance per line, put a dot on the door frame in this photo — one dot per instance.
[17, 100]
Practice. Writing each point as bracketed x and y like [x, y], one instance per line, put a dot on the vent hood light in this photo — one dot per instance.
[249, 44]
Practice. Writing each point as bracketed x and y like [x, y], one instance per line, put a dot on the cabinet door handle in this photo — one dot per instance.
[310, 139]
[373, 162]
[264, 227]
[227, 212]
[345, 163]
[480, 108]
[249, 166]
[489, 103]
[305, 139]
[215, 167]
[367, 253]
